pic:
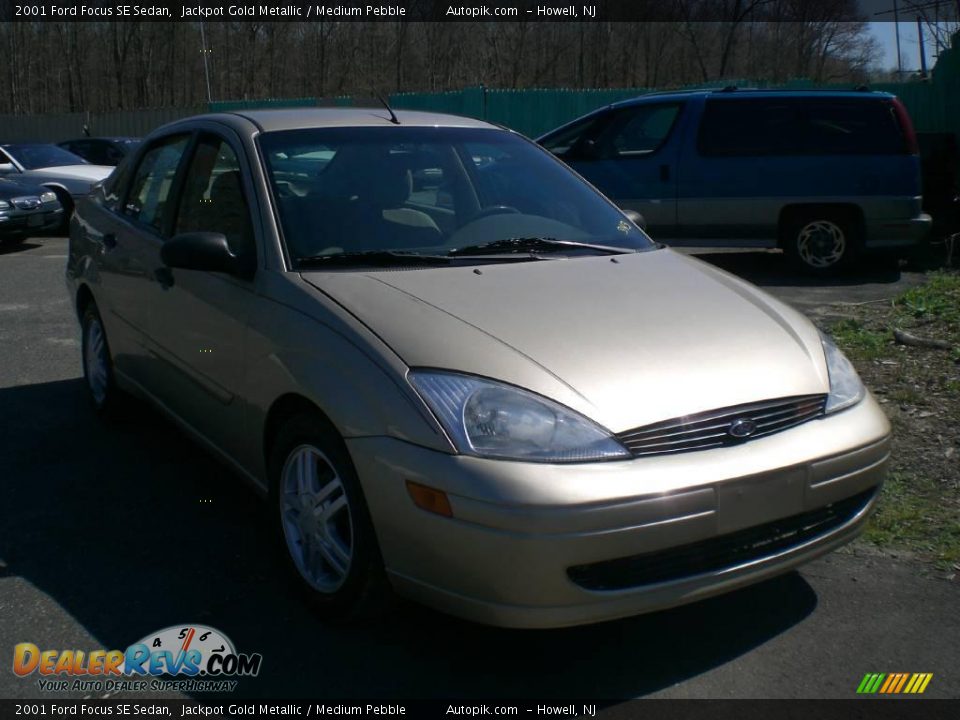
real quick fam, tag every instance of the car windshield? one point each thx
(33, 157)
(433, 191)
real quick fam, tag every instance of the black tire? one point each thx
(66, 202)
(98, 376)
(823, 242)
(361, 591)
(12, 240)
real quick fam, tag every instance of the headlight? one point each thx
(48, 197)
(490, 419)
(4, 205)
(846, 388)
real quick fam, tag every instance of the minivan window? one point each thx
(429, 191)
(799, 126)
(567, 140)
(638, 130)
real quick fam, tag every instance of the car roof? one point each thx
(108, 138)
(304, 118)
(734, 92)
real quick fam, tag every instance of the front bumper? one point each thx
(522, 534)
(18, 223)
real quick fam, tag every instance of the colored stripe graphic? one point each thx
(894, 683)
(903, 680)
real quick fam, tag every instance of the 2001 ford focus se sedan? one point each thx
(461, 374)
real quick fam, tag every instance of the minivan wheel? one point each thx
(322, 522)
(821, 244)
(97, 363)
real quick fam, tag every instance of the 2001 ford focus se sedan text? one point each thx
(461, 374)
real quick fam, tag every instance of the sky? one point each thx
(909, 45)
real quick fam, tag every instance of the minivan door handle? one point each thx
(109, 241)
(664, 173)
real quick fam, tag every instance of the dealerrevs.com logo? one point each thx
(204, 656)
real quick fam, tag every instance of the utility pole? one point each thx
(206, 63)
(923, 52)
(896, 29)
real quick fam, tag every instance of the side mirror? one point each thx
(636, 218)
(7, 168)
(207, 251)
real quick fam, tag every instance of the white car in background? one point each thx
(68, 175)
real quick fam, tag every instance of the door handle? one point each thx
(164, 276)
(109, 241)
(664, 173)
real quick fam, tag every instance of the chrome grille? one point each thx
(712, 428)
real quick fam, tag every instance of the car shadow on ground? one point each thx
(129, 527)
(8, 248)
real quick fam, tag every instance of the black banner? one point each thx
(435, 11)
(867, 709)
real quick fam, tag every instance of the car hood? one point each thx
(92, 173)
(10, 189)
(626, 340)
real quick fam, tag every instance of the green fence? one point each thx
(933, 104)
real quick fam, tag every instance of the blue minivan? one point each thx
(824, 175)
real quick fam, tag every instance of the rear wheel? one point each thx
(322, 523)
(821, 243)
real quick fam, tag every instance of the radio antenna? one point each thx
(393, 115)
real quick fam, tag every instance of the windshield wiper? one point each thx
(375, 258)
(534, 244)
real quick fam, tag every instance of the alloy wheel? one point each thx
(316, 518)
(96, 361)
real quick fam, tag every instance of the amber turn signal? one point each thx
(429, 499)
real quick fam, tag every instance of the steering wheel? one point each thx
(495, 210)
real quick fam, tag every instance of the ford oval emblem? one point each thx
(742, 428)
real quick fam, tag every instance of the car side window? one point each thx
(564, 144)
(114, 185)
(751, 127)
(637, 131)
(147, 201)
(212, 198)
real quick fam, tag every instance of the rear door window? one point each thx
(751, 127)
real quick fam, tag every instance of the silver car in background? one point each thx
(461, 374)
(68, 176)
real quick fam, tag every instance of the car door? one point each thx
(732, 190)
(199, 321)
(128, 234)
(630, 154)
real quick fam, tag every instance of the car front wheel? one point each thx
(323, 524)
